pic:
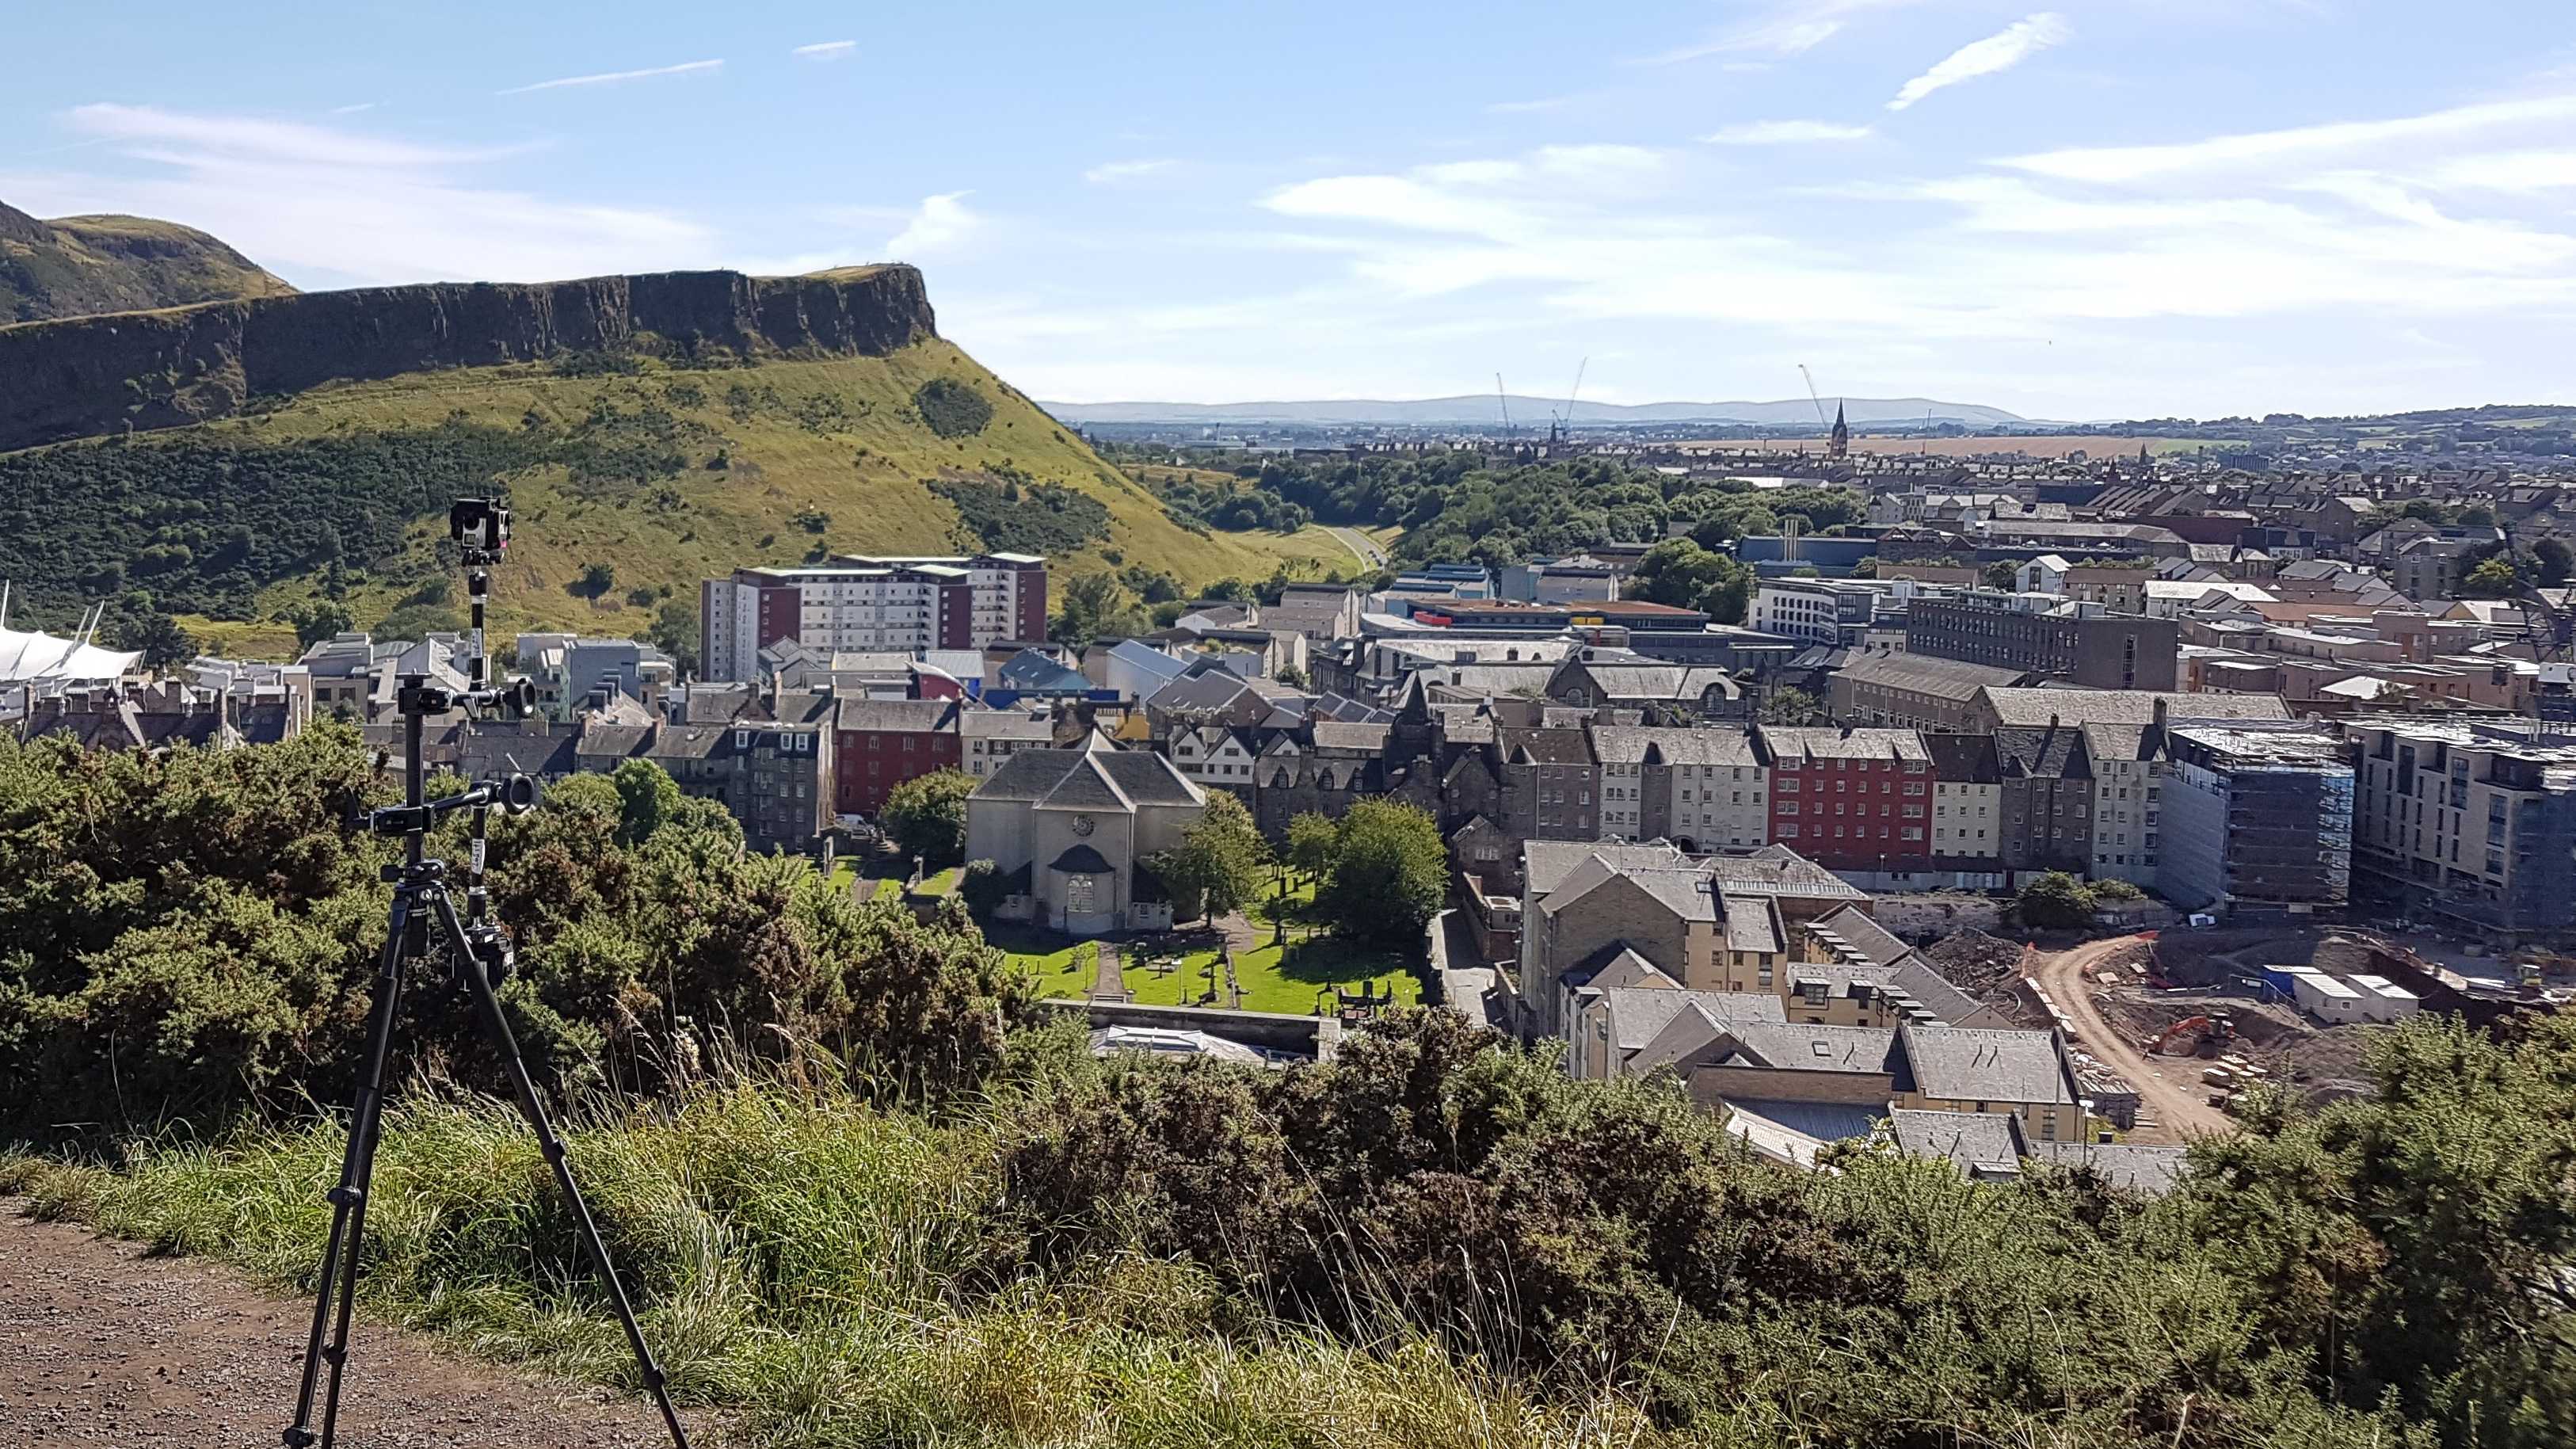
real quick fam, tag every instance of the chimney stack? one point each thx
(2160, 711)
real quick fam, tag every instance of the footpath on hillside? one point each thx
(102, 1345)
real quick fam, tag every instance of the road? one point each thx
(2169, 1088)
(1368, 553)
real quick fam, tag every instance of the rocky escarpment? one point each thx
(88, 376)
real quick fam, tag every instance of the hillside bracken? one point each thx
(869, 1193)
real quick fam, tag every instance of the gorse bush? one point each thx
(193, 935)
(950, 408)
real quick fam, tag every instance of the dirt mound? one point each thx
(1975, 962)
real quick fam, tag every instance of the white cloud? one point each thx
(2262, 149)
(939, 224)
(353, 110)
(826, 49)
(612, 77)
(345, 208)
(252, 136)
(2001, 51)
(1785, 133)
(1543, 103)
(1790, 27)
(1110, 172)
(2511, 171)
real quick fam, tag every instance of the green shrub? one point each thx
(950, 408)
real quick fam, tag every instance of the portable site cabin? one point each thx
(2327, 999)
(2383, 999)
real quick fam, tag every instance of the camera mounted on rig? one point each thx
(481, 527)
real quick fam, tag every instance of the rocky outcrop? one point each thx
(88, 376)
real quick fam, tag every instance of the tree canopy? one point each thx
(1389, 872)
(926, 815)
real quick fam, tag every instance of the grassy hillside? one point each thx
(76, 265)
(663, 475)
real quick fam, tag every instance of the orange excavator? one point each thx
(2201, 1036)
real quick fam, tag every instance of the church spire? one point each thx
(1840, 443)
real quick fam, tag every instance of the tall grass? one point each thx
(811, 1267)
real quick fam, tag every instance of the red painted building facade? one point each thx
(880, 743)
(1857, 800)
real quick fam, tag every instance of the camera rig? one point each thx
(479, 951)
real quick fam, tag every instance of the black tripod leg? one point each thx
(339, 1276)
(476, 981)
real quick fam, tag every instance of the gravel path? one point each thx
(101, 1345)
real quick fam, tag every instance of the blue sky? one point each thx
(2091, 208)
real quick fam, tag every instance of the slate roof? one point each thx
(1090, 780)
(1003, 724)
(1983, 1144)
(1628, 969)
(1962, 759)
(1778, 870)
(2124, 706)
(1950, 679)
(1641, 744)
(1547, 747)
(1681, 890)
(1640, 1014)
(1790, 1047)
(2153, 1170)
(896, 716)
(1962, 1064)
(1657, 682)
(1545, 864)
(1335, 735)
(1866, 938)
(2044, 753)
(1821, 743)
(1752, 923)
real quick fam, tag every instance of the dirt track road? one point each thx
(100, 1345)
(2168, 1087)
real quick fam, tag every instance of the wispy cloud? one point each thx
(612, 77)
(254, 137)
(826, 49)
(2265, 148)
(1785, 133)
(939, 224)
(340, 207)
(353, 110)
(1112, 172)
(1791, 27)
(2001, 51)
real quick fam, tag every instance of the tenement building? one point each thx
(2046, 635)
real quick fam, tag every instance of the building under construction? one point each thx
(2468, 821)
(2257, 821)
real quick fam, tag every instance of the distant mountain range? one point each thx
(1478, 409)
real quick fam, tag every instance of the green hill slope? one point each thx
(76, 265)
(661, 472)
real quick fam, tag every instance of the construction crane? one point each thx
(1564, 424)
(1504, 402)
(1813, 396)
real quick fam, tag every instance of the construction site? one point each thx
(2165, 1028)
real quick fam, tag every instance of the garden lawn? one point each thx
(1292, 983)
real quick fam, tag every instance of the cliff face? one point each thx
(87, 376)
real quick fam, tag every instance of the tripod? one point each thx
(424, 905)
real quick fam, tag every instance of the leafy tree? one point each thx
(1678, 571)
(2477, 514)
(1788, 705)
(419, 621)
(1291, 676)
(675, 631)
(1312, 839)
(2494, 579)
(596, 580)
(1388, 875)
(2001, 574)
(158, 638)
(647, 799)
(2055, 901)
(2556, 563)
(317, 622)
(1095, 606)
(926, 815)
(2117, 890)
(1218, 863)
(981, 887)
(1730, 599)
